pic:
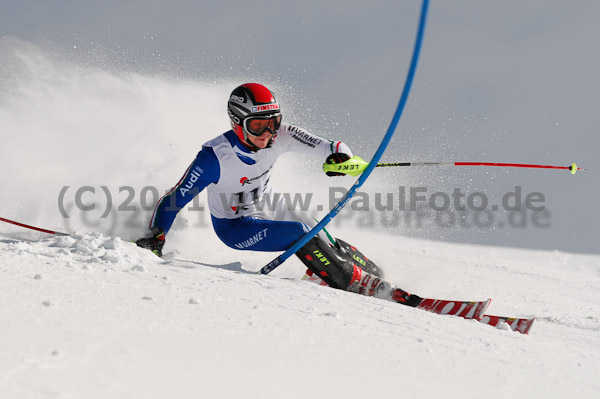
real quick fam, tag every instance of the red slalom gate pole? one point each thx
(33, 227)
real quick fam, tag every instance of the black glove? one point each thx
(336, 157)
(154, 242)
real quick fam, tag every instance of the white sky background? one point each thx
(503, 81)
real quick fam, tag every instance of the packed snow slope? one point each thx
(92, 316)
(96, 317)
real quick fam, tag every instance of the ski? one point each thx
(465, 309)
(522, 325)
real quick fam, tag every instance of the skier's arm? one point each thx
(202, 172)
(301, 141)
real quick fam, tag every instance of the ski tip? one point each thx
(521, 325)
(482, 309)
(527, 327)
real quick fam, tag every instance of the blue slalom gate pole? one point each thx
(384, 143)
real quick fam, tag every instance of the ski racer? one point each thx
(235, 169)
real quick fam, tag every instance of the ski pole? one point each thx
(33, 227)
(356, 165)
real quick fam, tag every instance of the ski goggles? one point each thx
(257, 125)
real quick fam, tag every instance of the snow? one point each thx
(90, 315)
(96, 317)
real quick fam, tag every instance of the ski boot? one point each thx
(338, 268)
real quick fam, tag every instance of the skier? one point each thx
(235, 168)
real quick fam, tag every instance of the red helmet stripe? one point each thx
(261, 93)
